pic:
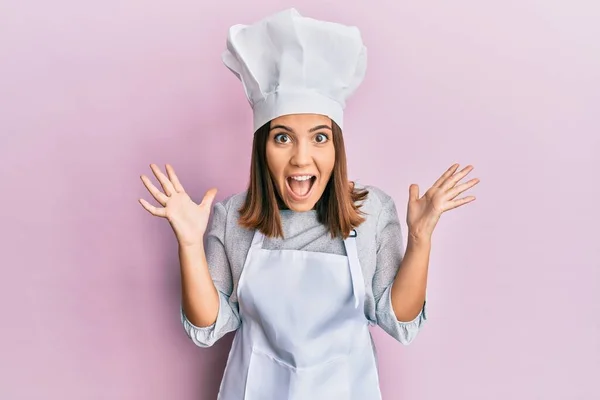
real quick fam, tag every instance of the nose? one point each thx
(302, 156)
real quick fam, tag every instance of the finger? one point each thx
(451, 181)
(157, 194)
(445, 175)
(455, 191)
(459, 202)
(164, 181)
(413, 192)
(174, 179)
(159, 212)
(209, 198)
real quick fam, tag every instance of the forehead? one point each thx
(302, 122)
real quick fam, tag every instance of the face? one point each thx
(300, 157)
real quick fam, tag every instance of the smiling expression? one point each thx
(300, 156)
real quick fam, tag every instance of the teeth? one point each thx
(301, 178)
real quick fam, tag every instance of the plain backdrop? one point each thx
(92, 92)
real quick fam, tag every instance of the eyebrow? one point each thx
(287, 128)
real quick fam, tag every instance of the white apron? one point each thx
(303, 332)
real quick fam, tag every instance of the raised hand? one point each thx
(424, 212)
(188, 219)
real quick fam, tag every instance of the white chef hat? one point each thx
(290, 64)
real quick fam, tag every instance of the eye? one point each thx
(321, 138)
(282, 138)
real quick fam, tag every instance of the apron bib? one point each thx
(304, 335)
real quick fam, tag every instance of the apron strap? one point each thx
(257, 240)
(358, 288)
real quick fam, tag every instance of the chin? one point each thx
(302, 207)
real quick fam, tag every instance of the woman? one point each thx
(301, 263)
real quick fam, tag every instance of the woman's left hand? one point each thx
(424, 212)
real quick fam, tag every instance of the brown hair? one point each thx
(337, 208)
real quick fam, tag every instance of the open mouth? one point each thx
(300, 186)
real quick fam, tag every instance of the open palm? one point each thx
(188, 219)
(424, 212)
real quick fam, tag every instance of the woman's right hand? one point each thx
(188, 219)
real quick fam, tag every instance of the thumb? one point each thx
(413, 191)
(209, 197)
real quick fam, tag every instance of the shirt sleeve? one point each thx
(390, 251)
(218, 264)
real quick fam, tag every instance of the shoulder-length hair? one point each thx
(338, 207)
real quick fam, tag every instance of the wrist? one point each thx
(191, 246)
(419, 241)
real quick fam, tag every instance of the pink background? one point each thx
(92, 92)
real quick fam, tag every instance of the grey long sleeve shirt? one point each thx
(380, 249)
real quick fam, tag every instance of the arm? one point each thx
(207, 312)
(205, 276)
(410, 284)
(401, 320)
(200, 299)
